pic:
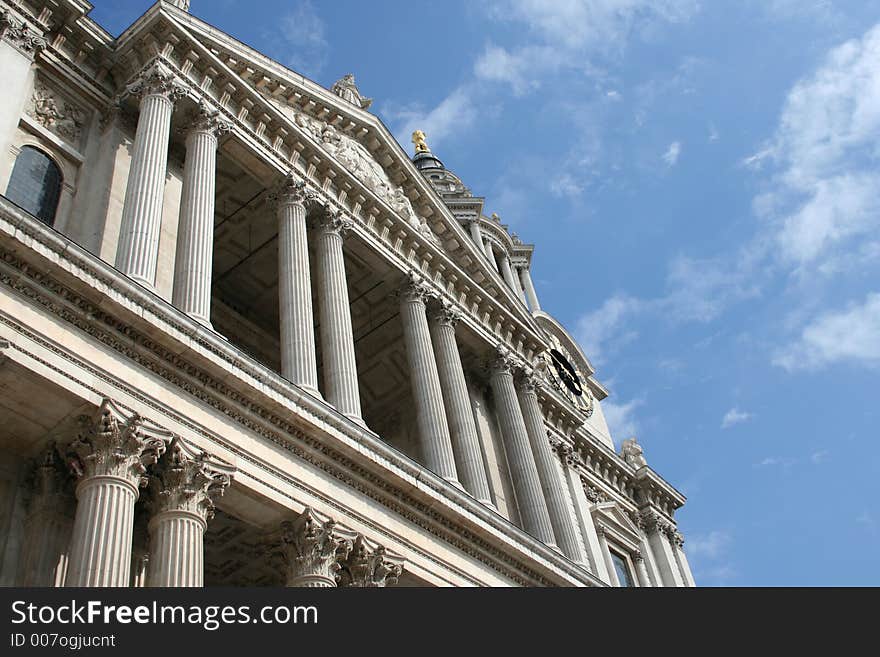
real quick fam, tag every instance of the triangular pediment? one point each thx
(616, 521)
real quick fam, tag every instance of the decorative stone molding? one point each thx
(188, 480)
(115, 446)
(292, 190)
(366, 568)
(346, 89)
(157, 79)
(502, 361)
(207, 118)
(332, 221)
(19, 34)
(414, 288)
(654, 522)
(593, 494)
(55, 113)
(312, 550)
(637, 556)
(677, 539)
(631, 452)
(442, 313)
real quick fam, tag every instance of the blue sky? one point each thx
(702, 183)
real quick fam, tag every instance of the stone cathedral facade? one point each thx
(246, 339)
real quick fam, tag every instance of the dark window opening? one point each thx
(35, 184)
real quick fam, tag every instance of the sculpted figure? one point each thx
(346, 89)
(632, 453)
(418, 138)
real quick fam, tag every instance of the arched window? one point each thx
(35, 184)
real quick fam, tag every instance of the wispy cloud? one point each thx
(709, 556)
(621, 418)
(711, 545)
(303, 43)
(672, 153)
(601, 328)
(851, 335)
(734, 416)
(456, 112)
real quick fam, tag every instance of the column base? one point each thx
(150, 285)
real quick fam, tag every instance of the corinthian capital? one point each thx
(311, 548)
(502, 361)
(292, 190)
(187, 480)
(332, 221)
(157, 80)
(414, 289)
(366, 568)
(207, 119)
(115, 446)
(443, 314)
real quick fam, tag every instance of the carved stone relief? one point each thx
(55, 113)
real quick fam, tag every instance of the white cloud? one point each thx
(819, 456)
(851, 335)
(711, 546)
(734, 416)
(672, 153)
(701, 289)
(783, 461)
(826, 146)
(303, 37)
(566, 185)
(621, 418)
(454, 113)
(596, 330)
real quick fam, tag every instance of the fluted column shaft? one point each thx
(177, 549)
(436, 444)
(487, 247)
(606, 555)
(529, 286)
(337, 340)
(517, 284)
(644, 580)
(195, 232)
(298, 362)
(137, 254)
(100, 550)
(462, 426)
(548, 472)
(507, 273)
(523, 471)
(184, 486)
(476, 236)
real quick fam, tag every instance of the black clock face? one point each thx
(566, 373)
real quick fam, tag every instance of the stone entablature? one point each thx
(259, 399)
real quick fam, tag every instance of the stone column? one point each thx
(507, 273)
(684, 567)
(530, 289)
(366, 568)
(606, 555)
(337, 341)
(298, 363)
(476, 236)
(184, 487)
(138, 248)
(487, 247)
(517, 284)
(639, 559)
(47, 528)
(110, 457)
(523, 471)
(436, 444)
(556, 491)
(560, 515)
(658, 530)
(462, 426)
(195, 232)
(140, 548)
(312, 551)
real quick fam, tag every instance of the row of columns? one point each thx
(137, 252)
(109, 460)
(517, 277)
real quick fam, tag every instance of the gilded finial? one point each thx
(418, 138)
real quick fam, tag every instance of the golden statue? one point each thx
(418, 138)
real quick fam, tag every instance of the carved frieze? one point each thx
(56, 113)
